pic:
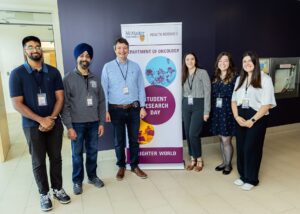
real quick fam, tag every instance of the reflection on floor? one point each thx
(165, 191)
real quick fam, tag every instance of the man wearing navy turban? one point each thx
(83, 115)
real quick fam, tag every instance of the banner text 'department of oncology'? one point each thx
(157, 48)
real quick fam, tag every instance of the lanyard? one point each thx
(124, 76)
(247, 85)
(39, 80)
(86, 79)
(191, 84)
(219, 85)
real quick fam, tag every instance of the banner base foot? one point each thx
(160, 166)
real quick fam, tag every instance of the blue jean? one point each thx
(87, 136)
(120, 119)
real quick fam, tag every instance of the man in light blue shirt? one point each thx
(123, 85)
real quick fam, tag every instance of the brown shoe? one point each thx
(191, 165)
(139, 172)
(121, 173)
(199, 166)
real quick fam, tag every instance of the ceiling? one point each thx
(30, 2)
(15, 16)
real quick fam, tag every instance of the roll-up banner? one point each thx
(157, 48)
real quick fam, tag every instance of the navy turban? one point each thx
(79, 49)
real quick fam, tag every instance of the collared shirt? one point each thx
(257, 96)
(116, 76)
(77, 90)
(27, 83)
(201, 87)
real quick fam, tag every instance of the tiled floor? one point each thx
(165, 191)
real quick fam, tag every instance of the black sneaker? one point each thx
(96, 182)
(77, 188)
(46, 203)
(61, 196)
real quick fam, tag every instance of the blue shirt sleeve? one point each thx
(58, 82)
(15, 85)
(104, 83)
(141, 88)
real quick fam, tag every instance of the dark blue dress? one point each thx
(222, 120)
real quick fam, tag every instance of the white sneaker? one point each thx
(247, 186)
(238, 182)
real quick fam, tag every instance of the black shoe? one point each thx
(220, 167)
(61, 196)
(46, 203)
(96, 182)
(227, 170)
(77, 188)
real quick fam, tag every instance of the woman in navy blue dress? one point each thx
(222, 120)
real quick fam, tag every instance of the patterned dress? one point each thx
(222, 120)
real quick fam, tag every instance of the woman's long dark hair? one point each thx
(256, 77)
(185, 70)
(230, 74)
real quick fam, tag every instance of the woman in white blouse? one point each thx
(252, 98)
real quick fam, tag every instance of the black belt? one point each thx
(126, 106)
(135, 104)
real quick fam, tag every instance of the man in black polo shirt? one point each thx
(36, 91)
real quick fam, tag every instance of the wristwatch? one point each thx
(253, 120)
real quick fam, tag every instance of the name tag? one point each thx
(245, 103)
(219, 102)
(190, 100)
(89, 101)
(42, 99)
(125, 90)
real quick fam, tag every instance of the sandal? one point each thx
(199, 165)
(191, 165)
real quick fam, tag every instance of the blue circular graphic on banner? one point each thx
(160, 71)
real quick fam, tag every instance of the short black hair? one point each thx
(30, 38)
(121, 40)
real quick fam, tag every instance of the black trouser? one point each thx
(193, 123)
(122, 119)
(249, 146)
(40, 144)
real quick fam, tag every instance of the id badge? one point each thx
(89, 101)
(125, 90)
(42, 99)
(219, 102)
(245, 103)
(190, 100)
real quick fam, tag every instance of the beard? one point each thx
(35, 57)
(84, 64)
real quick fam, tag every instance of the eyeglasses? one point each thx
(37, 48)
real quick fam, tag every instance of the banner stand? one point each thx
(157, 48)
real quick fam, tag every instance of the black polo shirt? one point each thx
(25, 82)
